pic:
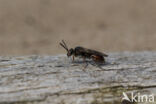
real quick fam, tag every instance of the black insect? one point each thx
(84, 53)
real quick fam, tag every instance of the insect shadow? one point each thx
(89, 62)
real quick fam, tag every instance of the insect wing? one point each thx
(90, 51)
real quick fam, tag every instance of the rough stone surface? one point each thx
(58, 80)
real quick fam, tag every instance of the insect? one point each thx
(84, 53)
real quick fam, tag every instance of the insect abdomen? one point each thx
(97, 58)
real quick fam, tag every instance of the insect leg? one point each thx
(98, 61)
(84, 59)
(73, 58)
(85, 66)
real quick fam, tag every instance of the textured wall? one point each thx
(36, 26)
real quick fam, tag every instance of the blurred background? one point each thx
(37, 26)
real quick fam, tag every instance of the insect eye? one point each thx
(71, 52)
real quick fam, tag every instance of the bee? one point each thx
(85, 53)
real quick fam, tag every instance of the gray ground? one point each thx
(56, 80)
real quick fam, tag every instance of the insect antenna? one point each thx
(64, 45)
